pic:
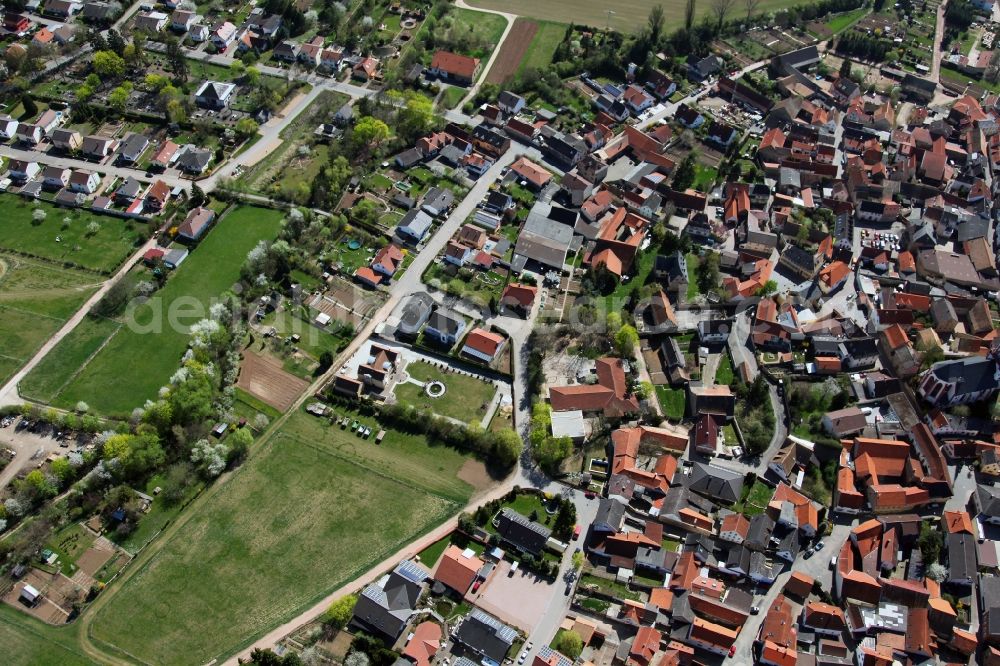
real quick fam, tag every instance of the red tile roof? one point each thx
(425, 643)
(607, 395)
(484, 341)
(455, 64)
(457, 568)
(531, 172)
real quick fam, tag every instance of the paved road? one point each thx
(818, 566)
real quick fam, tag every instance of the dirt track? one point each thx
(512, 52)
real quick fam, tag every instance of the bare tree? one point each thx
(689, 15)
(721, 8)
(751, 6)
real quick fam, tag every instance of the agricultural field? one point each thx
(315, 488)
(628, 14)
(36, 299)
(66, 236)
(530, 44)
(211, 269)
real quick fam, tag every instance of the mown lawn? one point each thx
(29, 642)
(724, 373)
(56, 240)
(672, 402)
(36, 299)
(692, 263)
(300, 519)
(463, 399)
(112, 383)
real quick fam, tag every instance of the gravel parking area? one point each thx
(519, 600)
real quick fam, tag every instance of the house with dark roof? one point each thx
(132, 148)
(521, 532)
(194, 160)
(384, 608)
(699, 69)
(716, 483)
(445, 327)
(214, 94)
(486, 636)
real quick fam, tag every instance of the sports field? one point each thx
(66, 236)
(109, 382)
(36, 299)
(627, 14)
(313, 509)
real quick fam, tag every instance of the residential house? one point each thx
(195, 225)
(22, 170)
(67, 140)
(366, 69)
(517, 299)
(384, 608)
(844, 422)
(98, 147)
(223, 35)
(194, 160)
(717, 483)
(609, 395)
(483, 345)
(454, 67)
(414, 225)
(445, 327)
(522, 533)
(181, 20)
(150, 21)
(157, 195)
(485, 636)
(85, 182)
(214, 94)
(457, 569)
(132, 148)
(8, 127)
(165, 155)
(29, 133)
(55, 178)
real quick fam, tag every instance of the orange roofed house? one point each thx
(618, 242)
(454, 67)
(483, 345)
(609, 395)
(458, 569)
(424, 644)
(888, 477)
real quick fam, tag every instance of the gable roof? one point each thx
(455, 64)
(458, 568)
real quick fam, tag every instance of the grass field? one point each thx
(463, 399)
(547, 38)
(29, 642)
(325, 507)
(101, 251)
(109, 382)
(672, 402)
(629, 14)
(724, 373)
(489, 27)
(36, 298)
(47, 378)
(840, 23)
